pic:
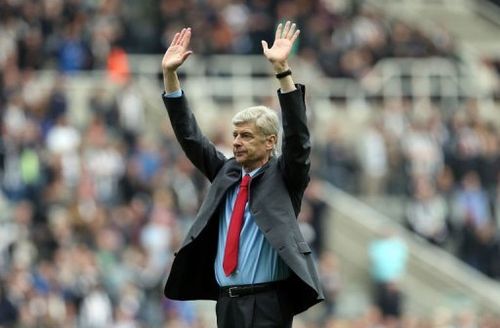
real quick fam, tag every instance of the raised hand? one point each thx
(178, 51)
(283, 42)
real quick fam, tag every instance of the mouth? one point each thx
(238, 153)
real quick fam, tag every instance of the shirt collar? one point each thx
(251, 173)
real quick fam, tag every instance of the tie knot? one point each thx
(246, 179)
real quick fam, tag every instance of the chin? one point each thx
(241, 162)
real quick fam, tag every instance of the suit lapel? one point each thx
(218, 191)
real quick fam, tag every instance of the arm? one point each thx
(296, 145)
(200, 151)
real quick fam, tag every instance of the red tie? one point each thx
(233, 233)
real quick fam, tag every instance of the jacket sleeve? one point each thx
(296, 145)
(200, 151)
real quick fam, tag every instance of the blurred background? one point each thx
(403, 209)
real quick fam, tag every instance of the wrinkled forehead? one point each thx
(246, 127)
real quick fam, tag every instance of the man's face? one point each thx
(250, 147)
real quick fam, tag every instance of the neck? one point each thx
(252, 166)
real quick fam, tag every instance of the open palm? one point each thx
(283, 42)
(178, 51)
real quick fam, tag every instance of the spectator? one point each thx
(373, 160)
(63, 141)
(471, 203)
(96, 309)
(422, 152)
(74, 53)
(131, 113)
(317, 214)
(388, 256)
(427, 213)
(474, 219)
(117, 66)
(338, 160)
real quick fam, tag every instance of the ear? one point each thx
(271, 141)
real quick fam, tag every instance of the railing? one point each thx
(220, 84)
(242, 79)
(434, 279)
(489, 10)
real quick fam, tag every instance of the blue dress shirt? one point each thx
(258, 262)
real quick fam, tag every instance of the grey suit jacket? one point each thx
(275, 198)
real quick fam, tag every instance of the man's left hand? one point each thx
(283, 42)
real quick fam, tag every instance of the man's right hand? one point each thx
(177, 52)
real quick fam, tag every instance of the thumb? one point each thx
(186, 55)
(265, 47)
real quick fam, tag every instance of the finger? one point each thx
(291, 31)
(174, 40)
(187, 38)
(285, 29)
(295, 36)
(178, 37)
(181, 36)
(278, 31)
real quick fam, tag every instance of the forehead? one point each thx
(245, 127)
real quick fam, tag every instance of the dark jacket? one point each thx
(275, 198)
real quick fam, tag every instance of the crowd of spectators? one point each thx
(343, 37)
(91, 215)
(447, 169)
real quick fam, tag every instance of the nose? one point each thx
(237, 141)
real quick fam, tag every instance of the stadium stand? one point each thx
(96, 195)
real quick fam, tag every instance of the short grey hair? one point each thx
(266, 120)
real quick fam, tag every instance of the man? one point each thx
(245, 249)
